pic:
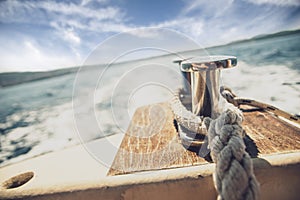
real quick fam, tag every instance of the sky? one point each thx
(47, 35)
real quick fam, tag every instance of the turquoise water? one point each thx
(281, 50)
(37, 117)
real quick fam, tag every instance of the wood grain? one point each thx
(152, 143)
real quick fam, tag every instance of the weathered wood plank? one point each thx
(151, 141)
(271, 134)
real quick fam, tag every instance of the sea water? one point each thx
(38, 117)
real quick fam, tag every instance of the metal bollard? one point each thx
(202, 76)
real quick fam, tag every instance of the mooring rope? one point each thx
(234, 178)
(185, 117)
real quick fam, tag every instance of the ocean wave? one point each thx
(45, 130)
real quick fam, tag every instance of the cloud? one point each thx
(146, 33)
(67, 25)
(29, 56)
(108, 27)
(223, 21)
(66, 33)
(87, 2)
(68, 14)
(110, 12)
(191, 26)
(71, 36)
(276, 2)
(211, 9)
(32, 49)
(101, 20)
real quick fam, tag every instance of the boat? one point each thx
(152, 160)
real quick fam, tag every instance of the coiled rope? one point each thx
(185, 117)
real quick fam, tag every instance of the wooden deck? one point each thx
(152, 143)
